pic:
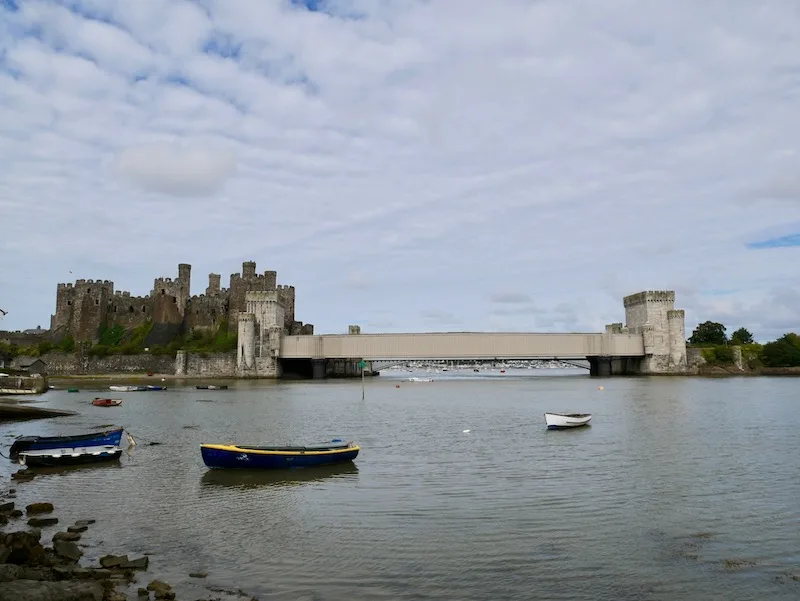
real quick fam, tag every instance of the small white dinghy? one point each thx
(562, 421)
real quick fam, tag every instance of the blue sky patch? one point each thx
(792, 240)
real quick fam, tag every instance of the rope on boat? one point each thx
(132, 439)
(4, 455)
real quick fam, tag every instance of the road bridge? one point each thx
(651, 341)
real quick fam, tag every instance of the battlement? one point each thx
(649, 296)
(261, 295)
(163, 280)
(66, 286)
(122, 294)
(284, 287)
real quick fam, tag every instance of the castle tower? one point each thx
(652, 314)
(213, 284)
(246, 356)
(677, 337)
(271, 280)
(248, 270)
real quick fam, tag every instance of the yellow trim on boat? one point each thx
(235, 449)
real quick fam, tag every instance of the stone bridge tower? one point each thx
(653, 315)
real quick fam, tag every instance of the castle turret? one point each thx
(246, 356)
(248, 270)
(213, 284)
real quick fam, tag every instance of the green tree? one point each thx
(783, 352)
(709, 332)
(742, 336)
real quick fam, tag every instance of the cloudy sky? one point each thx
(408, 165)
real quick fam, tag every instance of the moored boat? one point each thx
(40, 443)
(211, 387)
(70, 456)
(152, 387)
(562, 421)
(72, 390)
(98, 402)
(126, 388)
(277, 457)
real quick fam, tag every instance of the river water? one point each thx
(682, 488)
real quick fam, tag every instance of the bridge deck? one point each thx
(461, 345)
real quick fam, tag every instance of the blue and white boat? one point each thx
(41, 443)
(277, 457)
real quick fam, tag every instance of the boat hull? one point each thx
(70, 456)
(233, 457)
(41, 443)
(566, 421)
(106, 402)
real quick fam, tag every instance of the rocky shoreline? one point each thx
(32, 569)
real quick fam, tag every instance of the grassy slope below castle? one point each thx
(116, 340)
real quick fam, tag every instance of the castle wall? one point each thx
(70, 364)
(130, 311)
(205, 311)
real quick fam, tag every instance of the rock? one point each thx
(159, 585)
(77, 528)
(67, 550)
(34, 508)
(166, 595)
(85, 522)
(100, 573)
(67, 536)
(143, 593)
(29, 590)
(9, 572)
(136, 564)
(22, 476)
(22, 548)
(113, 561)
(198, 574)
(3, 519)
(72, 572)
(12, 491)
(15, 513)
(42, 522)
(27, 573)
(116, 596)
(6, 507)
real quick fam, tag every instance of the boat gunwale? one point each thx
(255, 451)
(573, 415)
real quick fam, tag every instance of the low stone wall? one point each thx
(64, 364)
(220, 365)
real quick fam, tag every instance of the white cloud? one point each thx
(176, 170)
(574, 152)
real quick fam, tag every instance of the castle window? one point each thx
(88, 291)
(130, 310)
(163, 291)
(97, 301)
(115, 308)
(144, 309)
(69, 303)
(174, 300)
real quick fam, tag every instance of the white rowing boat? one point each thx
(561, 421)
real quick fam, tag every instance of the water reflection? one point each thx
(63, 470)
(257, 478)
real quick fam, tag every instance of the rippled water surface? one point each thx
(680, 489)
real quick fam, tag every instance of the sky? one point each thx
(408, 165)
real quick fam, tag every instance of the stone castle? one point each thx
(82, 307)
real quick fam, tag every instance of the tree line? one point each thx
(716, 345)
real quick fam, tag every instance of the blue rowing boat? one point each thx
(41, 443)
(275, 457)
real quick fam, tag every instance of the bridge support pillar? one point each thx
(318, 369)
(601, 367)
